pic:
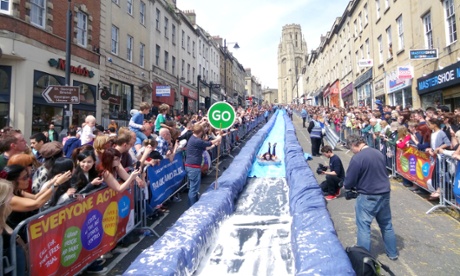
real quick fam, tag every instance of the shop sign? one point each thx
(188, 93)
(379, 87)
(439, 79)
(363, 78)
(395, 83)
(163, 91)
(405, 72)
(423, 54)
(347, 90)
(365, 63)
(326, 92)
(106, 95)
(77, 70)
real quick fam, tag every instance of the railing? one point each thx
(68, 238)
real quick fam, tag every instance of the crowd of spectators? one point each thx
(434, 130)
(46, 172)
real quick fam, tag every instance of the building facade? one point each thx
(373, 51)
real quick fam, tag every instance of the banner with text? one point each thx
(414, 165)
(165, 179)
(64, 241)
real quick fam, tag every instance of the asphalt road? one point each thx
(427, 244)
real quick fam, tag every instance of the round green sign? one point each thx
(221, 115)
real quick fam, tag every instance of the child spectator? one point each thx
(87, 135)
(137, 120)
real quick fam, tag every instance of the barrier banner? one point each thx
(414, 165)
(165, 179)
(64, 241)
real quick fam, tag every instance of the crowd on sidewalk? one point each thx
(47, 172)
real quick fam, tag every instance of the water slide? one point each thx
(262, 220)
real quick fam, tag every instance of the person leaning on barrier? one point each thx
(334, 176)
(368, 176)
(85, 178)
(193, 159)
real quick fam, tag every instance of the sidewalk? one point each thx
(427, 244)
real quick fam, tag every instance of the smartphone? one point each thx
(138, 165)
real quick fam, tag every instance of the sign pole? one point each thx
(217, 164)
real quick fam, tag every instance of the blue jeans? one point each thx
(367, 208)
(140, 134)
(194, 178)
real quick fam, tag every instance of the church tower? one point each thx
(292, 53)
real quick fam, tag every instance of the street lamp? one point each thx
(235, 46)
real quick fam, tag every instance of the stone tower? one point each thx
(292, 52)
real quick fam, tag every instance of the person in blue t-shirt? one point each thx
(136, 124)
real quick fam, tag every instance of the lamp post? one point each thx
(235, 46)
(67, 110)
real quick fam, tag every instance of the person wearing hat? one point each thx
(50, 151)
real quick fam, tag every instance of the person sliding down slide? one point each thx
(269, 158)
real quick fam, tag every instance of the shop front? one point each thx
(400, 86)
(334, 94)
(44, 113)
(189, 99)
(326, 98)
(162, 94)
(5, 92)
(363, 86)
(347, 95)
(379, 88)
(441, 86)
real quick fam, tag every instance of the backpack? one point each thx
(363, 263)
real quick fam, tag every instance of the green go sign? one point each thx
(221, 115)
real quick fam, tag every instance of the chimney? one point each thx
(191, 16)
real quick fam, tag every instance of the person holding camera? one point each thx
(334, 177)
(367, 175)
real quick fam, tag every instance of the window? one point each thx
(193, 48)
(366, 15)
(166, 26)
(82, 29)
(361, 52)
(399, 23)
(360, 22)
(166, 60)
(121, 108)
(387, 4)
(451, 27)
(357, 59)
(379, 41)
(182, 69)
(390, 43)
(130, 6)
(173, 65)
(428, 31)
(5, 6)
(115, 32)
(188, 72)
(368, 50)
(157, 55)
(355, 23)
(37, 12)
(173, 34)
(142, 55)
(158, 19)
(199, 47)
(142, 13)
(188, 44)
(116, 2)
(377, 9)
(183, 39)
(193, 75)
(129, 48)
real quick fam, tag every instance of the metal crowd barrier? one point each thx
(10, 263)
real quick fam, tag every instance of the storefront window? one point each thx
(430, 98)
(44, 115)
(121, 104)
(43, 80)
(5, 88)
(364, 94)
(402, 97)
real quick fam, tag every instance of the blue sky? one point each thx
(257, 24)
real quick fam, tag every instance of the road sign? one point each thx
(62, 94)
(221, 115)
(423, 54)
